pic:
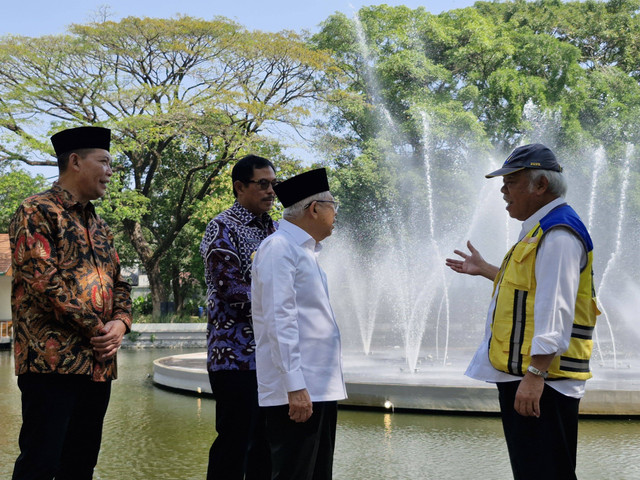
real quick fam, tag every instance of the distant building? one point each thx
(5, 291)
(138, 279)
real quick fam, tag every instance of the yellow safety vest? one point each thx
(513, 320)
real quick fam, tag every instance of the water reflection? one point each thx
(155, 434)
(387, 426)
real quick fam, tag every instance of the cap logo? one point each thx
(535, 164)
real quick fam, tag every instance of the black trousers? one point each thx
(302, 451)
(62, 418)
(545, 447)
(240, 451)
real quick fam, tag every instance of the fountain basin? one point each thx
(381, 382)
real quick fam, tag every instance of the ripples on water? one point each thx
(152, 434)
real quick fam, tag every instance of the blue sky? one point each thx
(42, 17)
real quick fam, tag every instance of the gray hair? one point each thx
(557, 182)
(296, 210)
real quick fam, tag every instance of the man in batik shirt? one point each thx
(240, 449)
(71, 309)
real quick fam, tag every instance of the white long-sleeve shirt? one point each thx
(297, 337)
(559, 260)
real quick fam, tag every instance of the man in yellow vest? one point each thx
(538, 338)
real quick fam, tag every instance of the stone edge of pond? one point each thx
(166, 335)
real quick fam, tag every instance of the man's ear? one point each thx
(239, 186)
(543, 184)
(74, 161)
(313, 209)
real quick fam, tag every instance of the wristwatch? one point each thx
(537, 372)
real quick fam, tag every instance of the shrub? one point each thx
(142, 305)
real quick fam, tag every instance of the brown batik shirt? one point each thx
(66, 286)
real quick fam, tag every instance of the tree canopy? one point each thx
(392, 91)
(184, 97)
(462, 81)
(15, 185)
(476, 68)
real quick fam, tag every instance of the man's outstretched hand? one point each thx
(472, 264)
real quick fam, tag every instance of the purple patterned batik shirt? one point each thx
(227, 249)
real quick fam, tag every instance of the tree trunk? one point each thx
(151, 265)
(158, 293)
(178, 298)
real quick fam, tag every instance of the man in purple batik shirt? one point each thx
(240, 450)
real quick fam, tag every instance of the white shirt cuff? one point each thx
(294, 381)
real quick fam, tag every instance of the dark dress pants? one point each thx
(62, 418)
(240, 451)
(302, 451)
(545, 447)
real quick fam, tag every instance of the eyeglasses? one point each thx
(263, 183)
(336, 205)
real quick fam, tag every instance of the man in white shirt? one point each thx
(298, 351)
(541, 318)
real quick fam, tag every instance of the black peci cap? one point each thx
(81, 137)
(534, 155)
(302, 186)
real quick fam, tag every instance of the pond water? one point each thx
(152, 434)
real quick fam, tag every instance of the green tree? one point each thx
(15, 185)
(475, 69)
(413, 84)
(184, 98)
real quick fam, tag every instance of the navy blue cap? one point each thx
(81, 137)
(534, 155)
(302, 186)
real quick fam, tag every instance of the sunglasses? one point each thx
(263, 183)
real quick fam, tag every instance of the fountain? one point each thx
(404, 366)
(410, 326)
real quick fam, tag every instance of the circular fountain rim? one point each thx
(607, 395)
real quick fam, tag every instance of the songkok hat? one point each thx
(534, 155)
(302, 186)
(81, 137)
